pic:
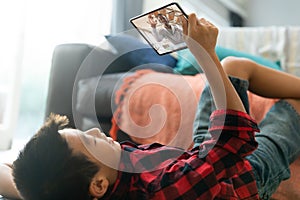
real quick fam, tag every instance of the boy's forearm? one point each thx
(201, 38)
(7, 186)
(224, 94)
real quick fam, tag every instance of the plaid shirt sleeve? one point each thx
(235, 131)
(233, 138)
(192, 177)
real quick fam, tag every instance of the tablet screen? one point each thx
(162, 28)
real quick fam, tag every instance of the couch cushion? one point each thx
(95, 95)
(187, 64)
(133, 53)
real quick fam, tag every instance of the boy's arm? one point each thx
(201, 38)
(7, 186)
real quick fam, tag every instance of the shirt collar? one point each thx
(120, 188)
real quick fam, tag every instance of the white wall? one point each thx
(212, 10)
(258, 12)
(273, 12)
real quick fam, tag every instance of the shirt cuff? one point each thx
(232, 120)
(234, 131)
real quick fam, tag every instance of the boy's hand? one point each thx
(199, 32)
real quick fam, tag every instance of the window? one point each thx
(11, 20)
(32, 29)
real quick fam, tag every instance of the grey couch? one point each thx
(73, 64)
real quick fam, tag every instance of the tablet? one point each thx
(162, 28)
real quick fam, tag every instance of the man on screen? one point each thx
(171, 32)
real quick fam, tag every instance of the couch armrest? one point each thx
(66, 61)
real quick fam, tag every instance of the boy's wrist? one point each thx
(215, 57)
(207, 57)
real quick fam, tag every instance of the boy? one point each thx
(62, 163)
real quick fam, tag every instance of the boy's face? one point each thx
(95, 145)
(162, 20)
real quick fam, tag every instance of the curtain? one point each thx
(30, 30)
(123, 11)
(11, 50)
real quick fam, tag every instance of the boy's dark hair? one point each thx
(46, 168)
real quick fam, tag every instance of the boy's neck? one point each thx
(113, 176)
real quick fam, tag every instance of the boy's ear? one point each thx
(99, 186)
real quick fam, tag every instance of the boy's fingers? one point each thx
(184, 25)
(192, 20)
(205, 22)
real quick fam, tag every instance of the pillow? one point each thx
(95, 95)
(167, 115)
(133, 53)
(187, 64)
(224, 52)
(170, 113)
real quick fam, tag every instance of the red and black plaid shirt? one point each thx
(160, 172)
